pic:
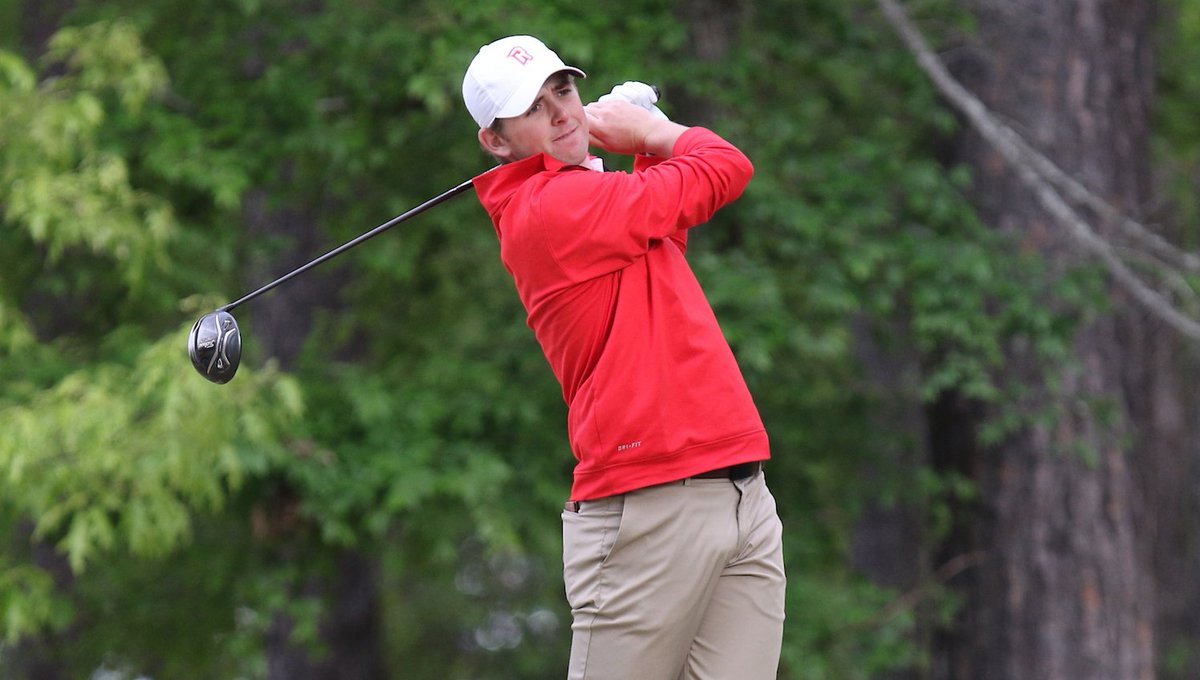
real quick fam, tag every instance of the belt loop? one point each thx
(571, 506)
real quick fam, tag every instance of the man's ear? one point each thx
(493, 143)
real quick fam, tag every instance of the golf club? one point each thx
(215, 343)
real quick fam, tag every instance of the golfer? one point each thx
(672, 553)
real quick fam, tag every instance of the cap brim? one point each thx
(523, 97)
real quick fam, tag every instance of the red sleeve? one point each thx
(640, 163)
(596, 223)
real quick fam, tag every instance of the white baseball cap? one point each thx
(506, 75)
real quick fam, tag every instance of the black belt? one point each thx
(733, 472)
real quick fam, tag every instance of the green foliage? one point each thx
(120, 456)
(28, 601)
(1176, 129)
(117, 452)
(105, 449)
(108, 59)
(60, 184)
(858, 643)
(196, 613)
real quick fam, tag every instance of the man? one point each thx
(672, 553)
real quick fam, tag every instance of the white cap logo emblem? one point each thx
(521, 55)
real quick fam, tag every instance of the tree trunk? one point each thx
(349, 631)
(39, 19)
(1162, 406)
(712, 27)
(1064, 590)
(283, 317)
(350, 628)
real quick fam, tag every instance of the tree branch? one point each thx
(1041, 175)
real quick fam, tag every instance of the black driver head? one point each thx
(215, 346)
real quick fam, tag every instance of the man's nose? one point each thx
(558, 112)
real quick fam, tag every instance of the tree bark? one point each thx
(1162, 406)
(712, 26)
(1065, 589)
(349, 630)
(39, 19)
(350, 627)
(283, 317)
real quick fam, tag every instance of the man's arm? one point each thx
(593, 223)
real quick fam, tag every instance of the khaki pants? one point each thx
(680, 581)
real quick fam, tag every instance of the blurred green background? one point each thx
(376, 493)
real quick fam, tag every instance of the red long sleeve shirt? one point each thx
(653, 391)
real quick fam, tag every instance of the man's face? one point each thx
(555, 124)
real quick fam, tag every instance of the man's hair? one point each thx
(496, 127)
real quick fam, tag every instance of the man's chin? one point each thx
(572, 156)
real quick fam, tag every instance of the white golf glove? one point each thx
(636, 93)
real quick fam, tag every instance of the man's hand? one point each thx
(621, 127)
(641, 94)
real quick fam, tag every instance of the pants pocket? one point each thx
(589, 537)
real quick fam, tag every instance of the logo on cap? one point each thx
(521, 55)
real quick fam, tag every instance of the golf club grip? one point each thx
(352, 243)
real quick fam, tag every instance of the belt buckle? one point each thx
(734, 473)
(745, 470)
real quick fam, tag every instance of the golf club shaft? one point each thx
(350, 244)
